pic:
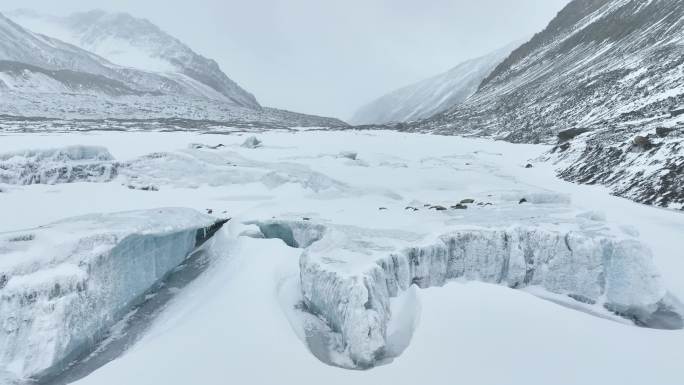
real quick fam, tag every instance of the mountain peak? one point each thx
(137, 43)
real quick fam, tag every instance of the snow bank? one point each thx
(194, 167)
(537, 197)
(60, 165)
(63, 285)
(349, 282)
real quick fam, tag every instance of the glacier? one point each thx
(252, 292)
(62, 286)
(59, 165)
(349, 275)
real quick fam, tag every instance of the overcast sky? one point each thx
(330, 57)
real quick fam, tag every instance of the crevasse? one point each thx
(62, 286)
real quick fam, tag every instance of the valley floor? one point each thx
(238, 322)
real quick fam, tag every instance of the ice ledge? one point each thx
(64, 284)
(59, 165)
(348, 281)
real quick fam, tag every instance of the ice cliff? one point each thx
(348, 280)
(63, 285)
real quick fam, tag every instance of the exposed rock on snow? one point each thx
(61, 165)
(64, 284)
(653, 174)
(199, 146)
(571, 133)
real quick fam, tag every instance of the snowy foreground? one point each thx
(391, 252)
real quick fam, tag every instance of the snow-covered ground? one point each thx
(242, 319)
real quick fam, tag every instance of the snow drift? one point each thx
(195, 167)
(63, 285)
(60, 165)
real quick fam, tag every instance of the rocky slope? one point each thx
(434, 95)
(611, 67)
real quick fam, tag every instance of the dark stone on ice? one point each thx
(202, 235)
(676, 112)
(522, 201)
(642, 143)
(572, 133)
(663, 131)
(468, 201)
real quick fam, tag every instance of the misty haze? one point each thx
(359, 192)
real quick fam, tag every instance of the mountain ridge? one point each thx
(41, 76)
(138, 43)
(433, 95)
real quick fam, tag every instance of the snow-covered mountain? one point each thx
(21, 45)
(133, 42)
(434, 95)
(597, 62)
(611, 67)
(40, 64)
(41, 76)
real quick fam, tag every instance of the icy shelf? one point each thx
(64, 284)
(349, 274)
(60, 165)
(196, 167)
